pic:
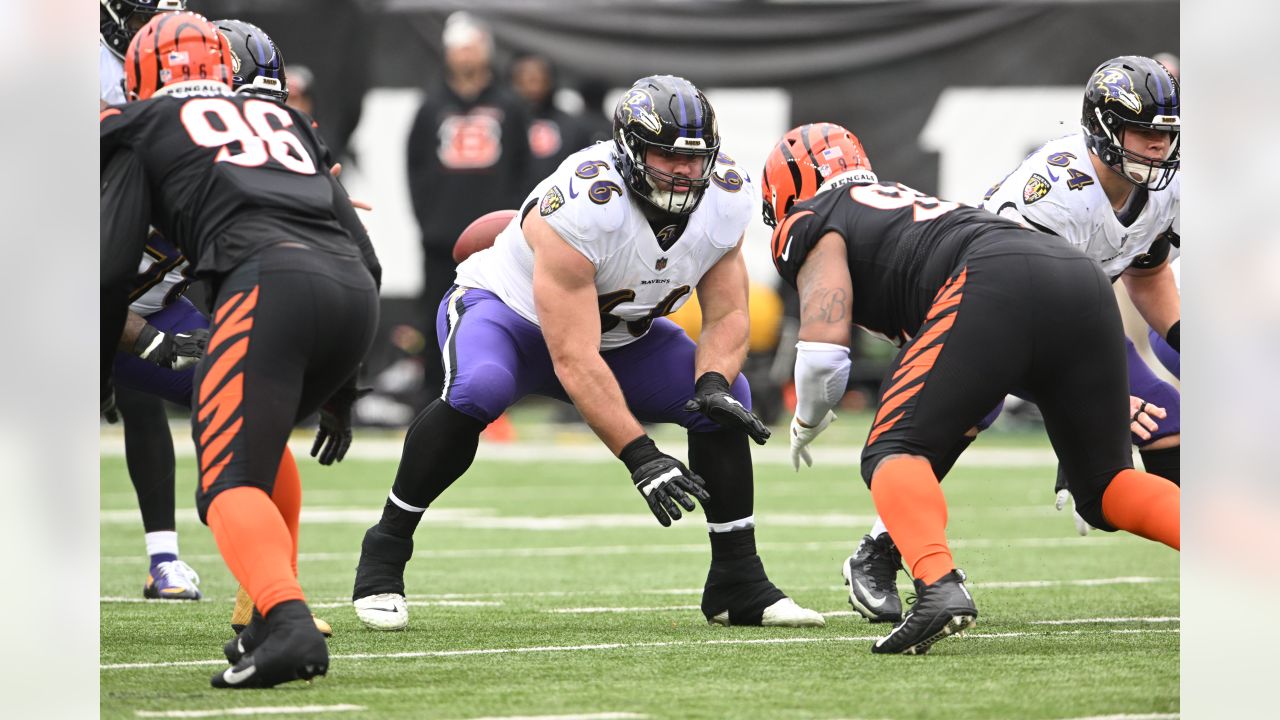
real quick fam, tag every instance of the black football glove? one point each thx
(713, 398)
(175, 351)
(334, 436)
(662, 480)
(107, 404)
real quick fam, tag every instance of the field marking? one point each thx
(1076, 543)
(588, 716)
(419, 603)
(589, 610)
(475, 599)
(264, 710)
(111, 444)
(1088, 621)
(629, 646)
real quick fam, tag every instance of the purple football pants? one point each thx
(173, 385)
(1144, 383)
(493, 357)
(1171, 359)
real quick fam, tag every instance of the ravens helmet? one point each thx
(119, 20)
(805, 158)
(257, 67)
(1132, 92)
(670, 114)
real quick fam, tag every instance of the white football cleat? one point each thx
(786, 613)
(385, 611)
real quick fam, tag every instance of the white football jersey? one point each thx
(587, 202)
(158, 262)
(1055, 190)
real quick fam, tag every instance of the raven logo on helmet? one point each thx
(637, 107)
(1117, 87)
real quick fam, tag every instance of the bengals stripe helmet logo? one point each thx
(806, 157)
(173, 48)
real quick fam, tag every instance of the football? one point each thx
(481, 233)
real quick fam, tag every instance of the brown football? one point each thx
(480, 233)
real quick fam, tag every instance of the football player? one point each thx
(981, 307)
(1112, 190)
(570, 303)
(247, 198)
(162, 329)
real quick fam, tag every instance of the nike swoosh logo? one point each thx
(382, 609)
(1049, 170)
(872, 600)
(572, 194)
(786, 249)
(235, 678)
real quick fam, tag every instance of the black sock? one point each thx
(148, 452)
(440, 446)
(732, 545)
(723, 459)
(1166, 463)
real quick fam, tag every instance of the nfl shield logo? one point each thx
(660, 264)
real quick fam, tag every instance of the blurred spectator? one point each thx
(553, 133)
(301, 87)
(468, 154)
(596, 120)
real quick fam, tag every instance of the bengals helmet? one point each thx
(174, 48)
(119, 20)
(257, 67)
(668, 113)
(1132, 92)
(805, 158)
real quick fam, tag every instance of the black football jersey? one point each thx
(227, 175)
(901, 244)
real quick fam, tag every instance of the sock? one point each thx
(1166, 462)
(732, 545)
(162, 546)
(439, 447)
(1145, 505)
(878, 528)
(286, 493)
(723, 459)
(255, 543)
(911, 503)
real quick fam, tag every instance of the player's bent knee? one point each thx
(872, 464)
(205, 498)
(486, 391)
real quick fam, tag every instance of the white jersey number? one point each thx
(253, 130)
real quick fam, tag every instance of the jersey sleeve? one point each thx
(586, 206)
(738, 201)
(792, 241)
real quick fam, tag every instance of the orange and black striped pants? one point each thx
(290, 326)
(1021, 314)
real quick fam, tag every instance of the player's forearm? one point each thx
(722, 345)
(1155, 296)
(595, 393)
(133, 325)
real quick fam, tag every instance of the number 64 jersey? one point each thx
(225, 176)
(1055, 191)
(587, 203)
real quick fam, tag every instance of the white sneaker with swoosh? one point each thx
(384, 611)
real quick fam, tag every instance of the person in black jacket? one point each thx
(468, 154)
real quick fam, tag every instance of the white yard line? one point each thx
(589, 610)
(239, 711)
(628, 646)
(588, 716)
(1090, 621)
(1126, 716)
(111, 444)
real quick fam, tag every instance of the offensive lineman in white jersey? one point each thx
(569, 303)
(164, 336)
(1111, 190)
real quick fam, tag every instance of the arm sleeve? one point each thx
(822, 374)
(125, 208)
(351, 223)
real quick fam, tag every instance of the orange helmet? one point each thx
(804, 159)
(173, 48)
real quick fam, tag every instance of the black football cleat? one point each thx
(247, 638)
(941, 609)
(871, 573)
(293, 649)
(739, 593)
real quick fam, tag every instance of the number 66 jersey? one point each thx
(586, 201)
(225, 176)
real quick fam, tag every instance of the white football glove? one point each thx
(1064, 495)
(801, 436)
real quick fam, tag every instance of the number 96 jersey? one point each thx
(586, 201)
(228, 174)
